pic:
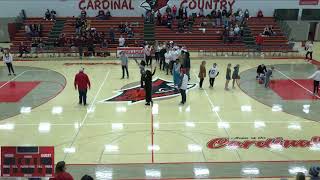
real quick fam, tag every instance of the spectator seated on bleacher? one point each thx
(108, 14)
(237, 30)
(231, 35)
(272, 33)
(34, 45)
(53, 15)
(47, 15)
(164, 19)
(104, 44)
(266, 31)
(27, 30)
(41, 44)
(62, 40)
(22, 49)
(122, 41)
(260, 14)
(130, 33)
(122, 28)
(101, 15)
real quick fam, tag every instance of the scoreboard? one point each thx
(27, 161)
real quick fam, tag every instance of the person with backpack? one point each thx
(213, 73)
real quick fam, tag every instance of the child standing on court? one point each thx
(7, 59)
(213, 73)
(235, 75)
(124, 64)
(202, 73)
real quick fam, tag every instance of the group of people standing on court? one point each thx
(214, 72)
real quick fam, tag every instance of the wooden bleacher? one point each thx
(278, 42)
(137, 24)
(209, 39)
(20, 36)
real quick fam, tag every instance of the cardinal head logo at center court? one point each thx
(161, 89)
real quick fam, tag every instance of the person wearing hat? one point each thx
(82, 84)
(314, 173)
(7, 59)
(60, 172)
(124, 64)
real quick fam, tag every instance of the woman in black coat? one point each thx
(148, 86)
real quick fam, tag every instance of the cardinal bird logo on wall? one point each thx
(154, 4)
(161, 89)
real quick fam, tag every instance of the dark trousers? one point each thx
(167, 67)
(80, 52)
(201, 82)
(211, 80)
(157, 56)
(83, 96)
(171, 66)
(315, 87)
(162, 63)
(10, 68)
(183, 96)
(148, 91)
(309, 53)
(125, 68)
(141, 81)
(148, 60)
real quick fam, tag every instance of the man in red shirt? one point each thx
(259, 41)
(60, 172)
(82, 83)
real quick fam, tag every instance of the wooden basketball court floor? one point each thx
(110, 139)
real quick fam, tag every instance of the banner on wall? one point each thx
(309, 2)
(138, 7)
(131, 52)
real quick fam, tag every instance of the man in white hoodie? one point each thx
(7, 59)
(213, 73)
(316, 79)
(183, 86)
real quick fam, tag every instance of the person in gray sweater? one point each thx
(268, 77)
(124, 64)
